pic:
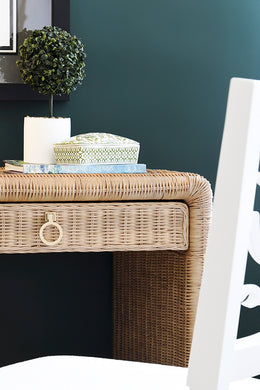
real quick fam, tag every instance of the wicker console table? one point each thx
(155, 223)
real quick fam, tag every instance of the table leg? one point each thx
(154, 299)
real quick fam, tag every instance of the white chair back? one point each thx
(217, 357)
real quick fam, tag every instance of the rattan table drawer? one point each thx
(97, 226)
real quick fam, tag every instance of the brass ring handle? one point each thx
(50, 217)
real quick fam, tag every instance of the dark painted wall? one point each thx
(157, 72)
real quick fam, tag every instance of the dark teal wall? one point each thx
(158, 72)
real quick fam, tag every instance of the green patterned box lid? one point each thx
(98, 139)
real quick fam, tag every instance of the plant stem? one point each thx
(50, 106)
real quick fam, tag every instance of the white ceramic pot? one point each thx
(39, 136)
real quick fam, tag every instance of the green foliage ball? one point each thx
(52, 61)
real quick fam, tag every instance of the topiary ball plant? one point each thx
(52, 62)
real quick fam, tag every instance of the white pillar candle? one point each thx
(39, 136)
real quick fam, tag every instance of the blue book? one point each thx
(23, 167)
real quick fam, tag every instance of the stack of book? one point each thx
(23, 167)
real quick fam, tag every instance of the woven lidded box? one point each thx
(97, 148)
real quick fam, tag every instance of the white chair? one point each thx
(218, 361)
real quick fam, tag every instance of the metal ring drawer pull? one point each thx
(50, 217)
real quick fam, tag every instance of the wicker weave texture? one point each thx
(153, 185)
(94, 226)
(151, 318)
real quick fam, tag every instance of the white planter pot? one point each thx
(39, 136)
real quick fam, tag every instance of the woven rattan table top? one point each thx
(153, 185)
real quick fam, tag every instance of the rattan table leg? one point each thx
(156, 293)
(154, 306)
